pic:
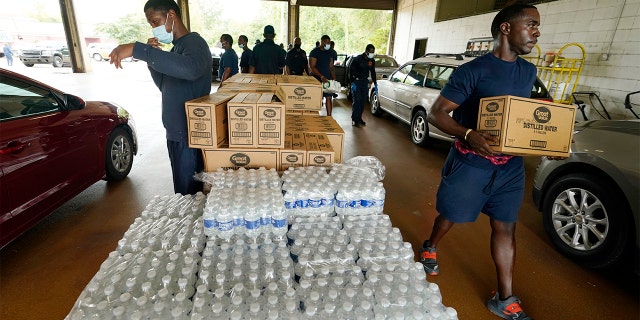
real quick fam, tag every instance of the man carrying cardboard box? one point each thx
(474, 178)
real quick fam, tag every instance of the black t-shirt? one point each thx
(267, 57)
(297, 61)
(244, 59)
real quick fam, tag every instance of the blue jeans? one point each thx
(359, 97)
(185, 162)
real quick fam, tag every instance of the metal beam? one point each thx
(75, 42)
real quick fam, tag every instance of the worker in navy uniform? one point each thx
(361, 68)
(267, 57)
(321, 66)
(246, 53)
(296, 62)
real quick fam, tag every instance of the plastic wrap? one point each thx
(368, 162)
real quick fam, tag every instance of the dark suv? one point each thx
(51, 53)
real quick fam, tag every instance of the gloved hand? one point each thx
(353, 87)
(375, 87)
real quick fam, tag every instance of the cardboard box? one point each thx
(242, 120)
(270, 119)
(235, 158)
(290, 157)
(207, 122)
(248, 79)
(318, 124)
(319, 150)
(302, 92)
(527, 126)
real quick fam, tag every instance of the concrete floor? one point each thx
(43, 272)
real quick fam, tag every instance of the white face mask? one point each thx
(241, 46)
(161, 33)
(371, 55)
(327, 46)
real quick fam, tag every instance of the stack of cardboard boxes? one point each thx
(264, 121)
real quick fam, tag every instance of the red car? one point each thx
(53, 145)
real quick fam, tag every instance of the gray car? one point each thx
(590, 201)
(410, 90)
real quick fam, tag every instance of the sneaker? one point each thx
(428, 259)
(363, 123)
(507, 309)
(357, 125)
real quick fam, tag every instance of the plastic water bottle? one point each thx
(224, 222)
(279, 223)
(252, 222)
(209, 222)
(342, 202)
(378, 196)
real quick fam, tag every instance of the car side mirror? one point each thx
(74, 102)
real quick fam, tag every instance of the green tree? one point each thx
(126, 29)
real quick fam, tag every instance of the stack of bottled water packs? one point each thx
(312, 244)
(152, 272)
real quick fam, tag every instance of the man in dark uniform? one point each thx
(246, 53)
(267, 57)
(321, 65)
(296, 62)
(228, 60)
(182, 74)
(475, 178)
(360, 69)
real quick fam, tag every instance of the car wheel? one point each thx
(119, 155)
(97, 57)
(29, 65)
(420, 129)
(374, 101)
(57, 61)
(586, 220)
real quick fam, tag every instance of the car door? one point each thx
(44, 151)
(388, 92)
(436, 78)
(408, 96)
(340, 68)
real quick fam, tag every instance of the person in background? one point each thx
(267, 57)
(321, 66)
(8, 54)
(289, 46)
(474, 177)
(360, 69)
(182, 74)
(296, 62)
(246, 53)
(228, 60)
(334, 55)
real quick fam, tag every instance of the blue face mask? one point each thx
(327, 46)
(161, 33)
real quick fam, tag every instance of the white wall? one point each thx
(600, 26)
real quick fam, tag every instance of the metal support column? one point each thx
(75, 41)
(184, 8)
(294, 20)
